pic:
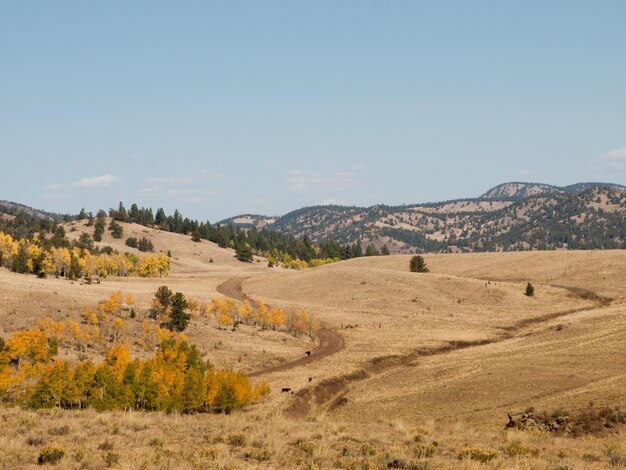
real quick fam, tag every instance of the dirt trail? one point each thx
(331, 392)
(329, 341)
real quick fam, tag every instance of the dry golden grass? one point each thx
(262, 438)
(435, 358)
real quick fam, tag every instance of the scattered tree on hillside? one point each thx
(244, 253)
(418, 265)
(116, 229)
(530, 290)
(384, 250)
(85, 242)
(179, 318)
(99, 226)
(371, 251)
(143, 244)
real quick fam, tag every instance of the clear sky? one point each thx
(225, 107)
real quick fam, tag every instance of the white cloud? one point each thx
(54, 187)
(614, 160)
(103, 181)
(316, 182)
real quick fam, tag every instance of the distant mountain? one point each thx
(14, 208)
(510, 216)
(517, 190)
(249, 221)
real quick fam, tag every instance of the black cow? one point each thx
(308, 353)
(285, 390)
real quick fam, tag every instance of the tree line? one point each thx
(176, 378)
(80, 260)
(246, 242)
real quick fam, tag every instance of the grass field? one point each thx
(429, 368)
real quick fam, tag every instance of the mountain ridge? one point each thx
(509, 216)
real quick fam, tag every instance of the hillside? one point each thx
(508, 217)
(9, 208)
(438, 358)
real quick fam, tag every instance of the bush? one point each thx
(116, 229)
(516, 449)
(477, 453)
(132, 242)
(530, 290)
(111, 458)
(418, 265)
(244, 254)
(237, 440)
(145, 245)
(424, 451)
(50, 454)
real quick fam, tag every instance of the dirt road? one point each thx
(329, 341)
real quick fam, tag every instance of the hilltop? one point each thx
(509, 217)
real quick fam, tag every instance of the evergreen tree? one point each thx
(116, 229)
(244, 253)
(134, 214)
(371, 251)
(164, 295)
(160, 216)
(179, 318)
(85, 242)
(418, 265)
(530, 290)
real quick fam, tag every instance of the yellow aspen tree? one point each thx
(245, 312)
(118, 358)
(130, 300)
(261, 309)
(205, 310)
(119, 328)
(28, 345)
(193, 305)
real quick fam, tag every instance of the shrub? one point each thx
(145, 245)
(35, 441)
(111, 458)
(244, 254)
(106, 445)
(477, 453)
(418, 265)
(132, 242)
(424, 451)
(116, 229)
(260, 455)
(237, 440)
(516, 449)
(50, 454)
(60, 431)
(530, 290)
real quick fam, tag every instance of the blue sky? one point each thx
(221, 108)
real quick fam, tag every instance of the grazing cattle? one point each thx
(308, 353)
(285, 390)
